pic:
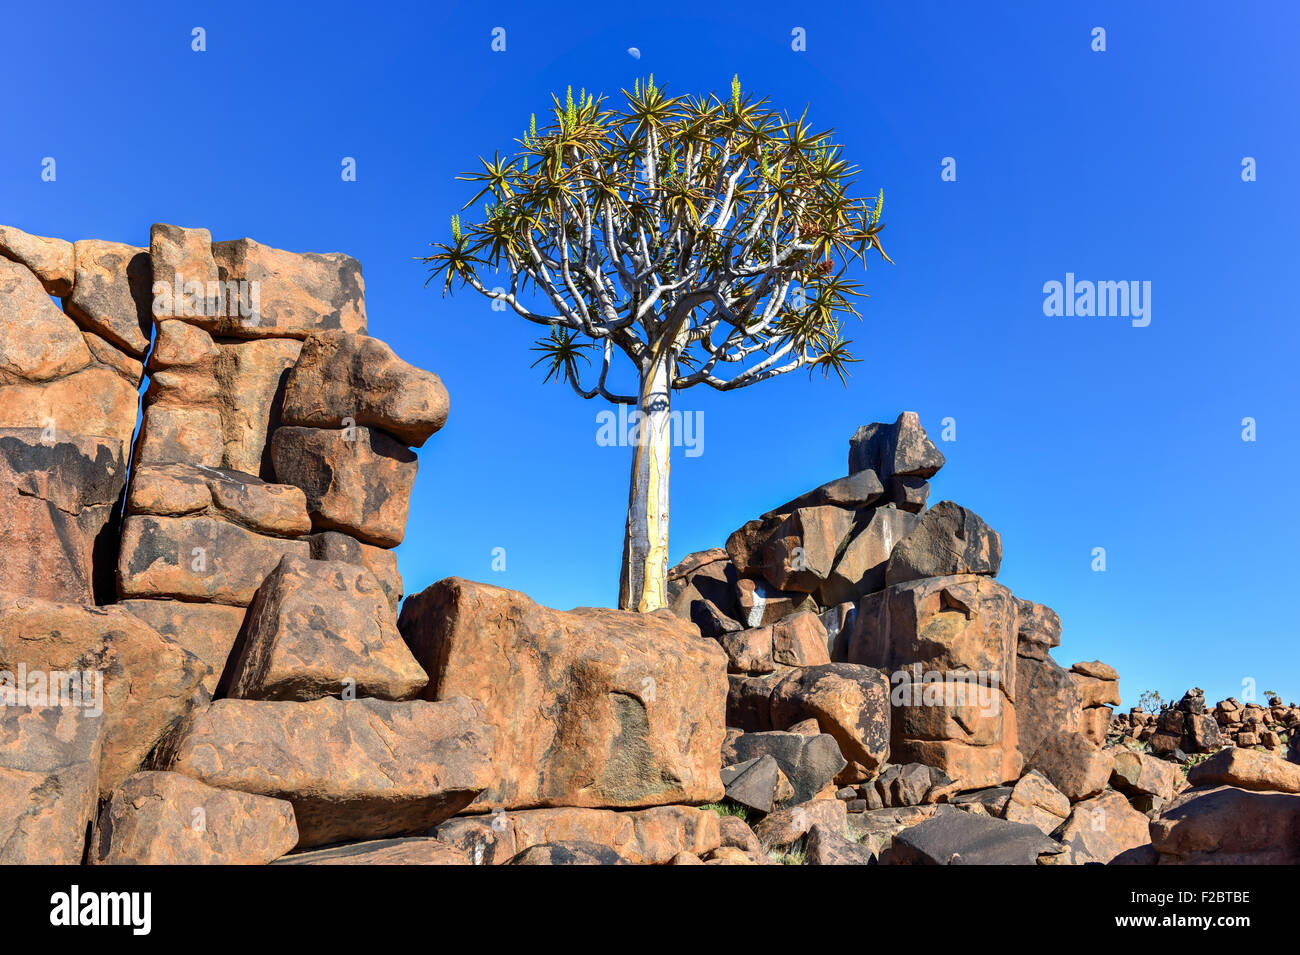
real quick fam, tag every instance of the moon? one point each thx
(634, 53)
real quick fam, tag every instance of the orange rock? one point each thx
(94, 401)
(37, 341)
(332, 545)
(50, 259)
(177, 490)
(409, 851)
(353, 769)
(208, 631)
(145, 680)
(169, 819)
(250, 378)
(112, 293)
(624, 709)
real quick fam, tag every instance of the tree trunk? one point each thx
(643, 582)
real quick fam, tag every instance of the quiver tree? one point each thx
(705, 240)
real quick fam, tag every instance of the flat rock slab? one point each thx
(170, 819)
(49, 783)
(1226, 825)
(322, 628)
(353, 769)
(1247, 769)
(568, 853)
(409, 851)
(197, 558)
(954, 837)
(593, 707)
(646, 836)
(177, 490)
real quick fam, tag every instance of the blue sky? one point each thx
(1072, 433)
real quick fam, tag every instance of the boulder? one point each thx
(853, 493)
(624, 709)
(197, 558)
(1038, 803)
(1094, 692)
(647, 836)
(357, 480)
(1138, 774)
(250, 378)
(860, 567)
(1047, 701)
(341, 379)
(140, 681)
(353, 769)
(757, 783)
(1246, 769)
(902, 449)
(209, 631)
(333, 545)
(1096, 723)
(825, 845)
(569, 853)
(749, 706)
(179, 490)
(953, 837)
(785, 827)
(745, 544)
(801, 551)
(158, 818)
(1074, 765)
(97, 400)
(112, 293)
(1226, 825)
(51, 260)
(849, 702)
(1103, 827)
(414, 850)
(323, 628)
(949, 539)
(297, 294)
(1038, 629)
(810, 763)
(56, 505)
(49, 782)
(37, 341)
(760, 605)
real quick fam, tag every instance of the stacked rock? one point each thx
(1186, 727)
(1098, 685)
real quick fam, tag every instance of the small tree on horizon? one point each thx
(706, 240)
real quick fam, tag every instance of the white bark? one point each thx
(645, 544)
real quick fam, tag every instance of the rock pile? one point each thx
(1186, 728)
(202, 658)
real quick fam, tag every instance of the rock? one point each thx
(140, 681)
(964, 622)
(736, 834)
(177, 490)
(908, 493)
(799, 640)
(993, 800)
(643, 837)
(748, 651)
(1094, 692)
(1047, 701)
(625, 709)
(37, 341)
(849, 702)
(1246, 769)
(185, 274)
(760, 605)
(953, 837)
(49, 782)
(112, 293)
(357, 480)
(785, 827)
(197, 558)
(332, 545)
(1103, 827)
(705, 578)
(168, 819)
(854, 492)
(1073, 764)
(745, 544)
(323, 628)
(408, 851)
(825, 845)
(860, 567)
(298, 294)
(96, 401)
(1038, 803)
(949, 539)
(749, 703)
(209, 631)
(1229, 826)
(568, 853)
(1096, 723)
(808, 762)
(1136, 774)
(1039, 629)
(353, 769)
(250, 379)
(51, 260)
(901, 449)
(799, 554)
(343, 379)
(1097, 670)
(757, 783)
(56, 506)
(685, 858)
